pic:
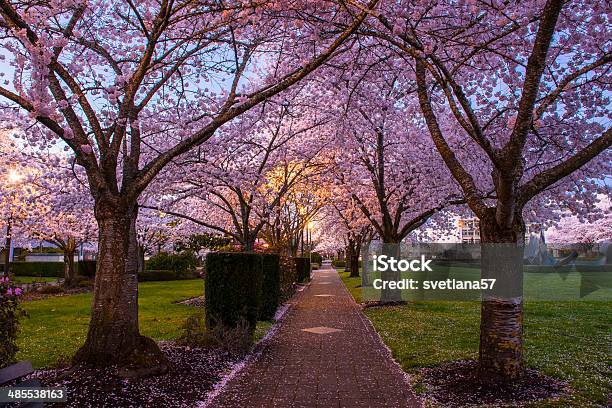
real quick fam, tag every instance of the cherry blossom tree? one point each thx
(155, 231)
(287, 226)
(21, 196)
(129, 87)
(574, 229)
(254, 163)
(346, 222)
(46, 200)
(388, 165)
(66, 219)
(385, 161)
(330, 241)
(527, 86)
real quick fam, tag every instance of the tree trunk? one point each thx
(293, 247)
(141, 259)
(501, 316)
(249, 243)
(354, 265)
(70, 274)
(7, 249)
(391, 249)
(354, 257)
(113, 336)
(348, 257)
(365, 270)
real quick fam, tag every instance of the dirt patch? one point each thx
(196, 302)
(378, 303)
(26, 297)
(456, 384)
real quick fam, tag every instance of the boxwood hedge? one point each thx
(43, 269)
(233, 289)
(302, 265)
(270, 291)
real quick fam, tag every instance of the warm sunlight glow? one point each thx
(14, 177)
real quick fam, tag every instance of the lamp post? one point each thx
(309, 237)
(302, 241)
(13, 178)
(308, 245)
(7, 246)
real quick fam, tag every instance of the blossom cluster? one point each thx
(7, 289)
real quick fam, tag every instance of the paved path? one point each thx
(325, 354)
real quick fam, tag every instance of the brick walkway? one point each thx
(337, 362)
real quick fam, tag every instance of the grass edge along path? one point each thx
(566, 340)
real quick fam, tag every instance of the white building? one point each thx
(468, 230)
(48, 257)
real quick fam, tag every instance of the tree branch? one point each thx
(548, 177)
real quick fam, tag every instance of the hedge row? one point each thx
(43, 269)
(317, 258)
(88, 269)
(270, 290)
(185, 261)
(245, 287)
(339, 263)
(288, 277)
(51, 269)
(233, 289)
(302, 266)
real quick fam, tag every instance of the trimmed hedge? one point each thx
(156, 275)
(288, 277)
(178, 263)
(317, 258)
(339, 263)
(87, 268)
(233, 289)
(270, 290)
(42, 269)
(9, 325)
(302, 266)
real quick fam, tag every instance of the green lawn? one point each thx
(57, 326)
(32, 279)
(567, 340)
